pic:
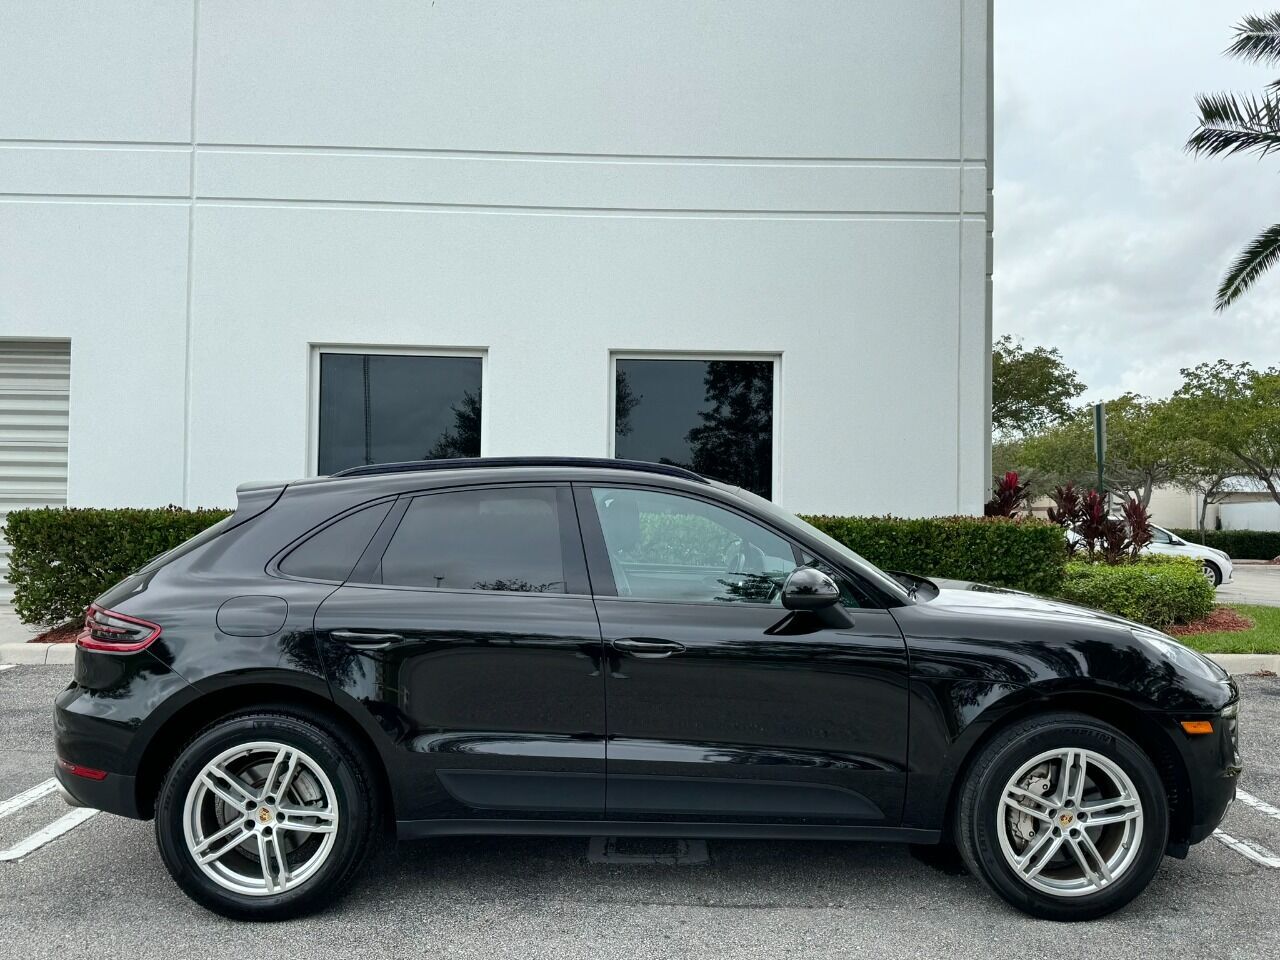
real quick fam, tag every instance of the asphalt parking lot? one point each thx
(100, 890)
(1252, 582)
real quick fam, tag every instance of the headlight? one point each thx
(1183, 657)
(1231, 711)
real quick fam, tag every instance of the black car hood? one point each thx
(972, 598)
(1058, 622)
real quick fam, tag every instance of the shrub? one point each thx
(1155, 590)
(61, 558)
(1239, 544)
(1025, 554)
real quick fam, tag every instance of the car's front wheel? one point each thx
(1211, 572)
(1064, 816)
(265, 815)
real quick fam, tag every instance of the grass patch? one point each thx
(1263, 638)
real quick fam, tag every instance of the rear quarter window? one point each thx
(331, 552)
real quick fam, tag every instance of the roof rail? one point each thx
(461, 463)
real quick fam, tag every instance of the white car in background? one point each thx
(1214, 563)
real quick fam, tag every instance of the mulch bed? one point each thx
(66, 633)
(1220, 620)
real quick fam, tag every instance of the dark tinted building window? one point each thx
(377, 408)
(331, 553)
(712, 416)
(479, 540)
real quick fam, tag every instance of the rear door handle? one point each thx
(367, 640)
(647, 647)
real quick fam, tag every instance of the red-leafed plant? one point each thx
(1138, 521)
(1008, 496)
(1113, 545)
(1067, 512)
(1093, 518)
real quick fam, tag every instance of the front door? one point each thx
(468, 633)
(722, 705)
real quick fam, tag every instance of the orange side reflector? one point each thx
(1197, 726)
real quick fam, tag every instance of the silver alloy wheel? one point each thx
(260, 818)
(1070, 822)
(1209, 572)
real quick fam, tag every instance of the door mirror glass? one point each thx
(807, 588)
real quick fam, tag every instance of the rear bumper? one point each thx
(115, 793)
(84, 735)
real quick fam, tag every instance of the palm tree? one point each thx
(1245, 123)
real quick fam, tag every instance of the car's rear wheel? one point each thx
(265, 815)
(1064, 816)
(1211, 572)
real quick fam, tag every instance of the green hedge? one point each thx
(1239, 544)
(61, 558)
(1025, 554)
(1156, 590)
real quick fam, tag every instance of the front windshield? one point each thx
(870, 571)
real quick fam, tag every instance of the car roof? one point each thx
(416, 474)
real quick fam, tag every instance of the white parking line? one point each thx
(66, 822)
(1260, 805)
(1250, 850)
(7, 666)
(27, 796)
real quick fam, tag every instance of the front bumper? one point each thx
(1213, 766)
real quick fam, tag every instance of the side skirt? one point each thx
(417, 829)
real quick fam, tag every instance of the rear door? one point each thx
(467, 632)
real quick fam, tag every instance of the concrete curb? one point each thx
(38, 654)
(1241, 663)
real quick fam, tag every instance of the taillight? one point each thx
(115, 632)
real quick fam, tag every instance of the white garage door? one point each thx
(35, 379)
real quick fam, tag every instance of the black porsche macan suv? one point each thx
(587, 647)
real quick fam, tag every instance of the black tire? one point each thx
(354, 791)
(980, 805)
(1212, 573)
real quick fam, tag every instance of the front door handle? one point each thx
(647, 647)
(366, 639)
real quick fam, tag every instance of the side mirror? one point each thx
(807, 588)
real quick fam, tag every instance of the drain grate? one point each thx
(634, 850)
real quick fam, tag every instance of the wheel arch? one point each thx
(167, 742)
(1125, 717)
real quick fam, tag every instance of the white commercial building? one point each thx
(247, 239)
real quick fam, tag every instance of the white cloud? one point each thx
(1109, 239)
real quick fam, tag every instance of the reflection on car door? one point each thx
(468, 633)
(721, 705)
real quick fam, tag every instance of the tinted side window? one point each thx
(664, 546)
(331, 553)
(479, 540)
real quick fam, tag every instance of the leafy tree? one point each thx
(1236, 409)
(1143, 449)
(1233, 123)
(1208, 471)
(1030, 389)
(464, 439)
(734, 443)
(625, 400)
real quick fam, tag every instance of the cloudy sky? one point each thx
(1109, 239)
